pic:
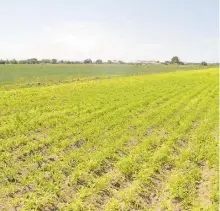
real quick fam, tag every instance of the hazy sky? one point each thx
(109, 29)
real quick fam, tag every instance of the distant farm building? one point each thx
(147, 62)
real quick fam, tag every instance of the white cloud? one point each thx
(77, 40)
(80, 40)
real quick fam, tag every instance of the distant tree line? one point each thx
(174, 60)
(55, 61)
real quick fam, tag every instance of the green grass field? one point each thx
(21, 74)
(145, 142)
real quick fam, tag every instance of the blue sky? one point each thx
(110, 29)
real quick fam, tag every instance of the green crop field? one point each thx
(30, 74)
(143, 142)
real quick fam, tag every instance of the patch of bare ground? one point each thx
(149, 130)
(133, 141)
(176, 205)
(204, 186)
(105, 167)
(67, 193)
(117, 182)
(48, 207)
(154, 197)
(7, 207)
(102, 197)
(99, 199)
(162, 133)
(159, 199)
(16, 194)
(35, 135)
(78, 144)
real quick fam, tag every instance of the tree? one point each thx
(13, 61)
(98, 61)
(121, 62)
(87, 61)
(175, 60)
(204, 63)
(32, 61)
(54, 61)
(110, 62)
(2, 62)
(46, 61)
(22, 62)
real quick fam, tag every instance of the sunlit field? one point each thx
(141, 142)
